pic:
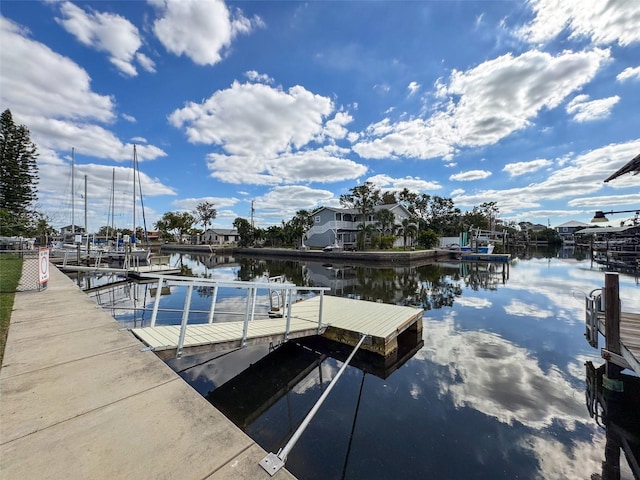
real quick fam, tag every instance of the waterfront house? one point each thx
(340, 226)
(567, 229)
(220, 236)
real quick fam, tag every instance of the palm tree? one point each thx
(408, 229)
(364, 232)
(385, 219)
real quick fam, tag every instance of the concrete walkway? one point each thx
(80, 400)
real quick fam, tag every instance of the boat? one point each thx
(124, 250)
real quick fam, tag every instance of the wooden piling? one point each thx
(612, 381)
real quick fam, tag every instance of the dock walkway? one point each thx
(343, 320)
(80, 400)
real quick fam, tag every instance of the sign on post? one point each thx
(43, 265)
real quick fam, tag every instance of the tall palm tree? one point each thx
(408, 229)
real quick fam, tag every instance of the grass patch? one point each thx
(10, 271)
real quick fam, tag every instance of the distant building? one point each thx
(70, 229)
(220, 236)
(566, 230)
(340, 226)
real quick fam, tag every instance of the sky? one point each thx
(287, 105)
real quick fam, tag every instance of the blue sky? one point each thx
(290, 104)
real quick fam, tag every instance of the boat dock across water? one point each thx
(290, 315)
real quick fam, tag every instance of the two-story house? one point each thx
(340, 226)
(566, 230)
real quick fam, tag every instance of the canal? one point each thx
(494, 388)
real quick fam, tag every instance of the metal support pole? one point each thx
(320, 311)
(213, 304)
(245, 325)
(272, 463)
(154, 313)
(185, 319)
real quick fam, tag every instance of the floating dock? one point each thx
(343, 320)
(485, 257)
(620, 329)
(340, 319)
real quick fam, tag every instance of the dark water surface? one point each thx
(494, 389)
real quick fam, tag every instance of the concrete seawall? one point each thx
(79, 399)
(377, 257)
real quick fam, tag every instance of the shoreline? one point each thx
(407, 257)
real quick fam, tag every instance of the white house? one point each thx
(566, 230)
(220, 236)
(340, 226)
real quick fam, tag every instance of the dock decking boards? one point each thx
(345, 319)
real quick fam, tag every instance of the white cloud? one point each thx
(269, 136)
(200, 29)
(473, 302)
(520, 168)
(106, 32)
(413, 88)
(604, 23)
(582, 173)
(254, 76)
(470, 175)
(584, 110)
(482, 105)
(413, 184)
(610, 200)
(145, 62)
(520, 309)
(38, 81)
(218, 202)
(128, 118)
(457, 191)
(629, 74)
(284, 201)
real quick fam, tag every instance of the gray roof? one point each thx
(573, 223)
(632, 166)
(591, 230)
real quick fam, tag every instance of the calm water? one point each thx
(494, 388)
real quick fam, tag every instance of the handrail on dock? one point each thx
(287, 291)
(272, 463)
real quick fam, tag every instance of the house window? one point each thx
(338, 216)
(565, 229)
(317, 219)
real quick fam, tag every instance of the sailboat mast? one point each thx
(73, 194)
(86, 225)
(134, 192)
(112, 203)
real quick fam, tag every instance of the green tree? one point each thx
(362, 198)
(174, 224)
(300, 224)
(43, 229)
(246, 233)
(409, 229)
(205, 213)
(386, 220)
(18, 177)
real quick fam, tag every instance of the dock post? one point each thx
(611, 379)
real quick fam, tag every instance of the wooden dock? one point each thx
(629, 341)
(485, 257)
(343, 320)
(621, 330)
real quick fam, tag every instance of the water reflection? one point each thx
(494, 388)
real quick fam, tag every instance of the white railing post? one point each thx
(288, 306)
(253, 302)
(185, 319)
(154, 313)
(320, 311)
(245, 325)
(213, 304)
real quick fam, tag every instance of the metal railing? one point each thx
(594, 306)
(288, 293)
